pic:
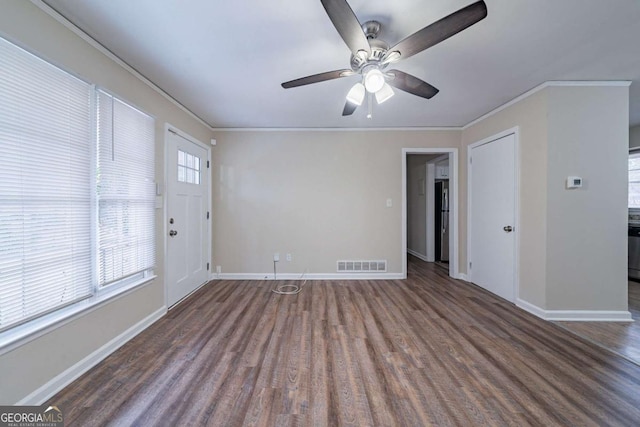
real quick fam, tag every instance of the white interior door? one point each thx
(187, 212)
(492, 206)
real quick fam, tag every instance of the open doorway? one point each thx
(439, 229)
(430, 206)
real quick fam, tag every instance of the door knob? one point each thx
(508, 228)
(172, 233)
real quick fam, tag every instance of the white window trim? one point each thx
(22, 334)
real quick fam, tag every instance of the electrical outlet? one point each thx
(276, 257)
(289, 257)
(218, 269)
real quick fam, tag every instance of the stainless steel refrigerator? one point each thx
(442, 221)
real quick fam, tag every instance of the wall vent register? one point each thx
(377, 266)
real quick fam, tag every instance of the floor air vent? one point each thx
(379, 266)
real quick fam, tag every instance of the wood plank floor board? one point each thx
(375, 385)
(556, 378)
(621, 337)
(203, 355)
(322, 401)
(428, 350)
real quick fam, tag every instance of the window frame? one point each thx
(140, 276)
(634, 152)
(23, 332)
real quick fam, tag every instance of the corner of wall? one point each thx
(588, 134)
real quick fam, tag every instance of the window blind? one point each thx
(45, 190)
(634, 180)
(126, 190)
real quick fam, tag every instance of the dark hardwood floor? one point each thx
(621, 337)
(425, 351)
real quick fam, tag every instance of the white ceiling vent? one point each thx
(376, 266)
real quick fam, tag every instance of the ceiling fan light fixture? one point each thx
(362, 54)
(392, 57)
(374, 80)
(370, 55)
(384, 94)
(356, 94)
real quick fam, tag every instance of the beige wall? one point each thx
(572, 247)
(34, 364)
(28, 367)
(634, 137)
(417, 203)
(320, 195)
(587, 228)
(530, 116)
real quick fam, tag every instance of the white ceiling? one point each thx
(225, 60)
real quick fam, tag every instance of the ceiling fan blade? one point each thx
(317, 78)
(411, 84)
(440, 30)
(349, 108)
(347, 25)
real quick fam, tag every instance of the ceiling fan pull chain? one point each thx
(370, 105)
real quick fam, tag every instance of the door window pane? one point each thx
(188, 168)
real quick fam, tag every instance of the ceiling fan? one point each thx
(371, 56)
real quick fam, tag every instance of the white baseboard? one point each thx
(462, 276)
(46, 391)
(576, 315)
(531, 308)
(311, 276)
(589, 315)
(418, 255)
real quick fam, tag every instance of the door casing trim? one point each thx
(515, 131)
(165, 221)
(454, 270)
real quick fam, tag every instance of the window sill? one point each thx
(20, 335)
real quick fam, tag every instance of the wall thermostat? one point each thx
(574, 182)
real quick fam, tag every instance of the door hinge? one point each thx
(207, 214)
(207, 266)
(207, 164)
(470, 264)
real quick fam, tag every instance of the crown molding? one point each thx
(316, 129)
(551, 83)
(102, 49)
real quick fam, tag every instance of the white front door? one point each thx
(492, 205)
(187, 228)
